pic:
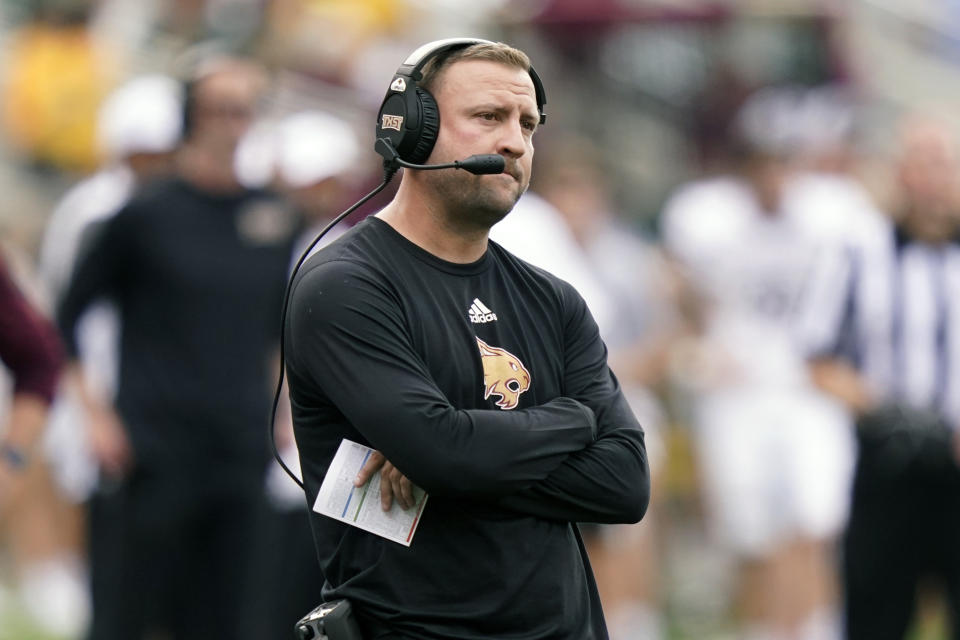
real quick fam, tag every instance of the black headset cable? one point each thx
(388, 173)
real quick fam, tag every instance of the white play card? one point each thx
(360, 506)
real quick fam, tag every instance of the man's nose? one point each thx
(512, 142)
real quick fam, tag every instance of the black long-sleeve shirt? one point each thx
(487, 385)
(198, 279)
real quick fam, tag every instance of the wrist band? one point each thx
(13, 456)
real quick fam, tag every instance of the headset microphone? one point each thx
(481, 164)
(485, 164)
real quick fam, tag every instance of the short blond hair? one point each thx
(491, 52)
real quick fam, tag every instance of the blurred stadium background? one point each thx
(653, 82)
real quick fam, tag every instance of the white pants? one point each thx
(775, 465)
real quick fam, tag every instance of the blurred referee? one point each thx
(884, 331)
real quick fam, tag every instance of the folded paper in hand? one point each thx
(360, 506)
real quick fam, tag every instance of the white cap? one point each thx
(313, 146)
(826, 119)
(766, 121)
(143, 115)
(793, 120)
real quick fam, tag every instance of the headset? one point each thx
(407, 126)
(191, 85)
(188, 106)
(409, 120)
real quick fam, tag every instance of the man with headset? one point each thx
(474, 375)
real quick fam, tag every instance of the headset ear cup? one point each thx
(429, 127)
(187, 107)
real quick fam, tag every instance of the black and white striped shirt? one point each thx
(890, 305)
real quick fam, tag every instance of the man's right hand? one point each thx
(393, 484)
(842, 381)
(106, 433)
(109, 441)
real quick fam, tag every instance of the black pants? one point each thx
(904, 528)
(170, 553)
(287, 582)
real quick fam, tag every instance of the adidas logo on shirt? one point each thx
(479, 313)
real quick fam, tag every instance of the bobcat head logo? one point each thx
(503, 375)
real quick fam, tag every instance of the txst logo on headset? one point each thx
(388, 121)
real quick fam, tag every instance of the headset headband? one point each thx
(412, 67)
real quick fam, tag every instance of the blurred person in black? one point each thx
(475, 376)
(138, 127)
(196, 265)
(883, 328)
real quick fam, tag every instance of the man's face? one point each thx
(225, 107)
(768, 175)
(485, 107)
(928, 176)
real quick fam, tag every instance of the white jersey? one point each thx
(615, 275)
(752, 267)
(776, 453)
(536, 232)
